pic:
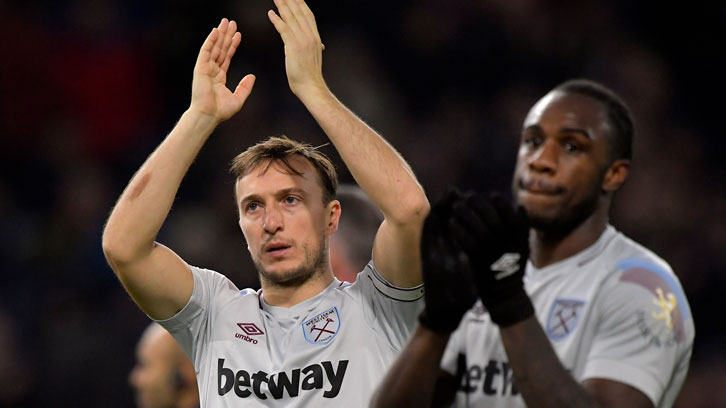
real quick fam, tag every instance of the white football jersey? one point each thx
(613, 311)
(328, 351)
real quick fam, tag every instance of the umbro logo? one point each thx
(506, 265)
(250, 329)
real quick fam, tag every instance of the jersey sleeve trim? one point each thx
(394, 292)
(628, 374)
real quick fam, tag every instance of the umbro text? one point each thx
(245, 338)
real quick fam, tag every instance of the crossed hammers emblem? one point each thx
(323, 329)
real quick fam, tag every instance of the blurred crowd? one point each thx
(89, 88)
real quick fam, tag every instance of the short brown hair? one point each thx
(279, 149)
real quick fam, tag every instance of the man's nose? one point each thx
(273, 219)
(544, 159)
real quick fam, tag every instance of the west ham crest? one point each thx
(322, 328)
(563, 318)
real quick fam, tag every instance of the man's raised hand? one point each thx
(447, 274)
(303, 47)
(210, 95)
(495, 237)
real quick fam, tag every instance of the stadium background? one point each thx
(89, 88)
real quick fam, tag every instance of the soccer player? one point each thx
(305, 339)
(351, 246)
(571, 312)
(163, 375)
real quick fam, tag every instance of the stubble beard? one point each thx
(567, 219)
(312, 266)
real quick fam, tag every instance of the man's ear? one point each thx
(333, 212)
(616, 175)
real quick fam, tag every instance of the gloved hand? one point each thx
(495, 238)
(449, 284)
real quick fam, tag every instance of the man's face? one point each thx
(152, 375)
(562, 159)
(284, 221)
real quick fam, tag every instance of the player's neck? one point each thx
(343, 269)
(548, 248)
(288, 296)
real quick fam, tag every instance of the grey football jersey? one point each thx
(328, 351)
(614, 311)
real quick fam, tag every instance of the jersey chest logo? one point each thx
(564, 317)
(250, 330)
(323, 327)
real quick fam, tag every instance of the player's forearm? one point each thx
(411, 380)
(145, 203)
(377, 167)
(538, 372)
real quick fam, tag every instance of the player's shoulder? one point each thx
(635, 269)
(220, 282)
(247, 292)
(642, 286)
(623, 253)
(372, 279)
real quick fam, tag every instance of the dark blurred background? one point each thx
(88, 88)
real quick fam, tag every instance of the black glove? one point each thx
(449, 283)
(495, 238)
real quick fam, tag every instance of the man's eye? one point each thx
(291, 200)
(533, 141)
(252, 206)
(571, 147)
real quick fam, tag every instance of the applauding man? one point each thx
(305, 339)
(571, 313)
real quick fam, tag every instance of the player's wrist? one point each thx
(510, 308)
(311, 91)
(433, 335)
(437, 325)
(200, 117)
(197, 123)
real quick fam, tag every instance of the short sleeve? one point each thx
(645, 332)
(390, 310)
(190, 326)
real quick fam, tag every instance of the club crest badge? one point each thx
(323, 327)
(564, 317)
